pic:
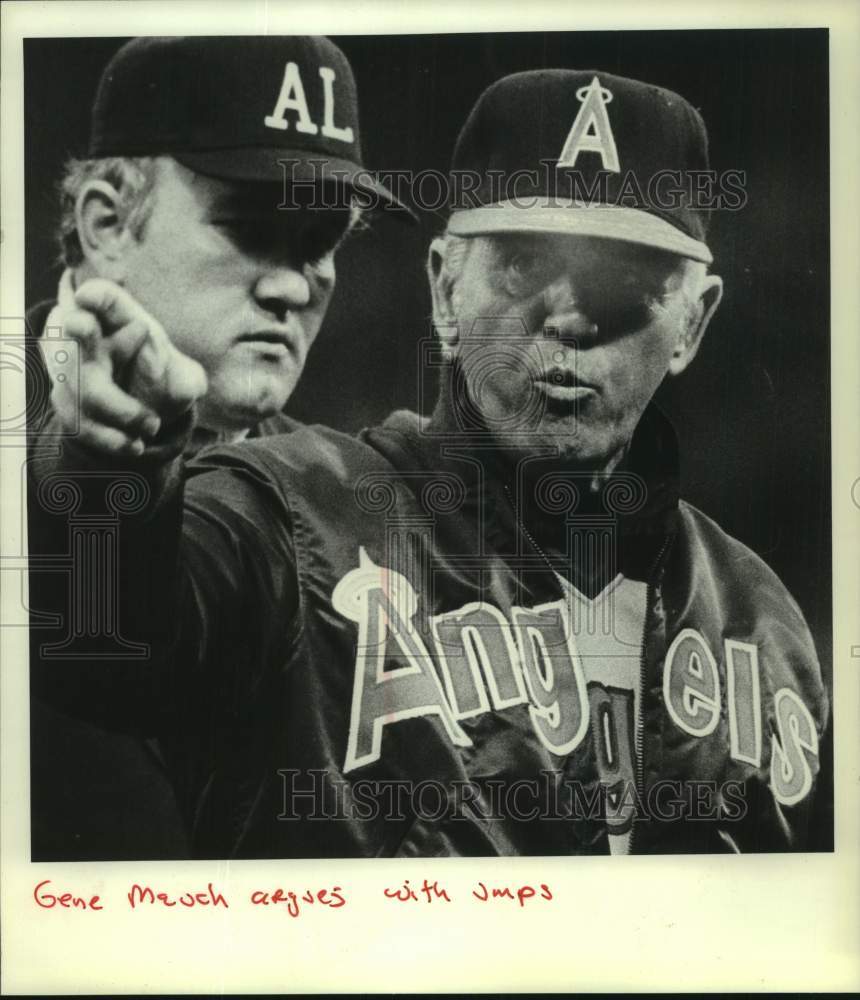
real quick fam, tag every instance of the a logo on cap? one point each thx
(591, 131)
(292, 98)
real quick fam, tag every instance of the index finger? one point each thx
(112, 303)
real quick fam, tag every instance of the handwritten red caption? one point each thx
(66, 900)
(289, 901)
(143, 895)
(332, 898)
(431, 891)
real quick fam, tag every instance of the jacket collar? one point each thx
(636, 506)
(641, 495)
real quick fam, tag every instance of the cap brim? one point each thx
(544, 215)
(283, 166)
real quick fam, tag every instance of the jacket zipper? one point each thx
(649, 600)
(640, 721)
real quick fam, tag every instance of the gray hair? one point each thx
(456, 252)
(134, 181)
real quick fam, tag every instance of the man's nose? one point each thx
(565, 318)
(282, 287)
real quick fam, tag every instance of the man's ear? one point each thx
(710, 295)
(102, 232)
(443, 295)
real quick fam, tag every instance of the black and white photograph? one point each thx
(470, 575)
(428, 453)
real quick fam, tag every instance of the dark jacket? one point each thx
(379, 645)
(98, 790)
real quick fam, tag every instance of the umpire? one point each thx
(184, 211)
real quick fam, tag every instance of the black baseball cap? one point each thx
(629, 146)
(234, 107)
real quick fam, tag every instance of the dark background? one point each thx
(753, 412)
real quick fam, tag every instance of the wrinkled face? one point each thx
(563, 340)
(237, 284)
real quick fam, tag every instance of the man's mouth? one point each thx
(274, 342)
(563, 385)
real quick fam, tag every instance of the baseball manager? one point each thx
(497, 630)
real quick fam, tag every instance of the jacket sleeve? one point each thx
(156, 587)
(771, 733)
